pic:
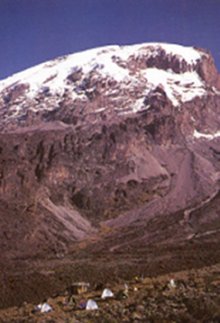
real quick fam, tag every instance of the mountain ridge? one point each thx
(100, 75)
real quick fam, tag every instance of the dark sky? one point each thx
(33, 31)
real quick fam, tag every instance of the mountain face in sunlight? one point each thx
(112, 151)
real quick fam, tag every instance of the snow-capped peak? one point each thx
(127, 73)
(98, 58)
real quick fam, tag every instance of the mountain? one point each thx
(109, 158)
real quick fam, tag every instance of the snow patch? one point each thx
(189, 54)
(139, 105)
(54, 73)
(207, 136)
(178, 87)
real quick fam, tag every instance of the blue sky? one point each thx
(33, 31)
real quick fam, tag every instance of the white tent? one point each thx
(44, 308)
(107, 293)
(91, 305)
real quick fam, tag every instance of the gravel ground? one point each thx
(193, 297)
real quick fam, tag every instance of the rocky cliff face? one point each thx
(112, 149)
